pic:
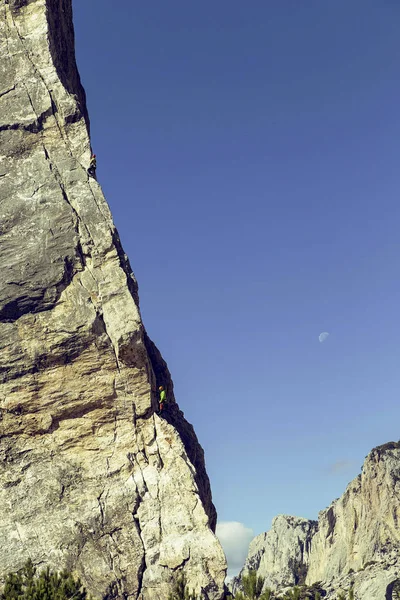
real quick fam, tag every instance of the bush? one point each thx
(27, 585)
(293, 594)
(304, 592)
(253, 585)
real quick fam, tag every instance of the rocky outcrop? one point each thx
(281, 554)
(91, 479)
(356, 541)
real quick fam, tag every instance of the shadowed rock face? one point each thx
(356, 540)
(90, 477)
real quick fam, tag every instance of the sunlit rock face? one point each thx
(279, 555)
(356, 541)
(91, 478)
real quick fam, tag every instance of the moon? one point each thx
(323, 336)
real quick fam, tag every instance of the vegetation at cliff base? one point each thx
(26, 584)
(252, 589)
(343, 596)
(180, 590)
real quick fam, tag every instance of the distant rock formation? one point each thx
(356, 541)
(91, 479)
(280, 554)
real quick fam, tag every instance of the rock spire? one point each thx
(91, 478)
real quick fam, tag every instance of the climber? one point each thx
(163, 397)
(92, 166)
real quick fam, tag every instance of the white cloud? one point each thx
(235, 539)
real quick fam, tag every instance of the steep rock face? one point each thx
(361, 527)
(90, 477)
(355, 542)
(280, 554)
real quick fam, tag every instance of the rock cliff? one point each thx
(91, 479)
(356, 541)
(279, 555)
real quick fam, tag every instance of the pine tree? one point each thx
(293, 594)
(180, 590)
(48, 585)
(252, 585)
(252, 588)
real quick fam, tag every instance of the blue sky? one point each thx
(250, 156)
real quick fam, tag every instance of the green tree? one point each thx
(26, 584)
(343, 596)
(180, 590)
(304, 592)
(293, 594)
(252, 585)
(266, 595)
(252, 588)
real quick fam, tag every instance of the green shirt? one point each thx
(163, 396)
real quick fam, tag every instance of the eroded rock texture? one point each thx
(356, 541)
(90, 477)
(279, 554)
